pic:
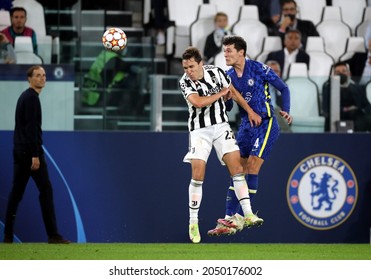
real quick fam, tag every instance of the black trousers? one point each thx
(21, 176)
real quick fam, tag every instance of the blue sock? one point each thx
(252, 182)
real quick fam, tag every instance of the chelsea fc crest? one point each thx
(322, 191)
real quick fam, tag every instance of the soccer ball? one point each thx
(114, 39)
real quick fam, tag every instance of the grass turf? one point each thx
(136, 251)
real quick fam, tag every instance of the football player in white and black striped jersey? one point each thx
(205, 88)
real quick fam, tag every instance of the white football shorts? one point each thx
(202, 140)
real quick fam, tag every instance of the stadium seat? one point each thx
(352, 12)
(24, 51)
(254, 32)
(311, 10)
(353, 45)
(334, 31)
(366, 21)
(4, 19)
(368, 91)
(183, 14)
(270, 44)
(28, 58)
(219, 61)
(248, 12)
(320, 62)
(331, 13)
(44, 46)
(230, 7)
(304, 100)
(23, 44)
(203, 25)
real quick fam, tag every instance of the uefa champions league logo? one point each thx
(322, 191)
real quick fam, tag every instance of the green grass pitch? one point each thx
(171, 251)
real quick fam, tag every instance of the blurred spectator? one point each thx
(290, 53)
(213, 44)
(269, 12)
(7, 55)
(158, 20)
(289, 21)
(5, 5)
(360, 63)
(18, 18)
(354, 105)
(276, 97)
(360, 66)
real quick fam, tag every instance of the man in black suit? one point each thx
(360, 65)
(291, 52)
(289, 21)
(354, 105)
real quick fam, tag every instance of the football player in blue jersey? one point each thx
(252, 79)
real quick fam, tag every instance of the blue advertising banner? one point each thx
(133, 187)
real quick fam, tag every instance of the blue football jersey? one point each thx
(254, 87)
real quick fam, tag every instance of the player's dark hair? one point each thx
(192, 52)
(31, 69)
(17, 9)
(238, 42)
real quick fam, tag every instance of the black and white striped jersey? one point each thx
(213, 81)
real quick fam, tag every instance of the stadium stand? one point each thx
(353, 45)
(311, 10)
(334, 31)
(230, 7)
(219, 61)
(4, 19)
(320, 62)
(366, 21)
(248, 12)
(270, 44)
(203, 25)
(24, 51)
(304, 100)
(183, 14)
(254, 32)
(352, 12)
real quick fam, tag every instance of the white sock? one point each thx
(242, 193)
(195, 197)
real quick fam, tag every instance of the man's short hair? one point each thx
(238, 41)
(192, 52)
(17, 9)
(32, 69)
(220, 14)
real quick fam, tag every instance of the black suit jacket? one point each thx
(279, 56)
(357, 65)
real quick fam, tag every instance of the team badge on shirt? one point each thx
(250, 82)
(322, 191)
